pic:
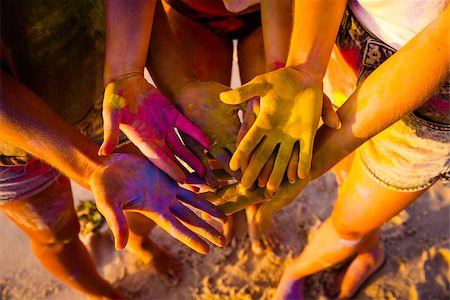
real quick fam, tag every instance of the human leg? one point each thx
(148, 251)
(50, 221)
(362, 206)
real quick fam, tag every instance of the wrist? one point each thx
(179, 86)
(111, 74)
(275, 65)
(311, 75)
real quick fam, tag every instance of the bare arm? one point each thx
(28, 123)
(402, 83)
(316, 24)
(118, 182)
(128, 28)
(276, 17)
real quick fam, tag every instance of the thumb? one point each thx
(118, 224)
(255, 87)
(111, 118)
(329, 116)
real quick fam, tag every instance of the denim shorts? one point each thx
(413, 153)
(22, 175)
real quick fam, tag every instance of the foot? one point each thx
(358, 272)
(261, 240)
(289, 289)
(164, 264)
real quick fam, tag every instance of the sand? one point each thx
(416, 242)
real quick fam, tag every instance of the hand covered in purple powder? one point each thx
(131, 183)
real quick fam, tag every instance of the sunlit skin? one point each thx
(151, 126)
(29, 123)
(209, 58)
(356, 218)
(145, 115)
(153, 195)
(306, 67)
(290, 108)
(119, 182)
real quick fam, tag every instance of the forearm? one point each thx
(128, 28)
(28, 123)
(167, 66)
(277, 27)
(402, 83)
(316, 24)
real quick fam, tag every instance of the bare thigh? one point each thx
(47, 217)
(363, 205)
(209, 55)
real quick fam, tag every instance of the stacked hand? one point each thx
(199, 101)
(148, 119)
(234, 198)
(130, 183)
(289, 113)
(329, 117)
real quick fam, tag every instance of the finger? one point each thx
(305, 157)
(222, 176)
(111, 120)
(224, 157)
(241, 202)
(281, 163)
(176, 229)
(255, 87)
(199, 152)
(200, 203)
(223, 194)
(189, 128)
(249, 119)
(257, 162)
(185, 154)
(293, 164)
(246, 147)
(269, 208)
(213, 163)
(162, 157)
(195, 183)
(282, 198)
(329, 116)
(197, 225)
(263, 177)
(117, 223)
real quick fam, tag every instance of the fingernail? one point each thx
(339, 125)
(292, 181)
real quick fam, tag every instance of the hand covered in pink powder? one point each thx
(127, 182)
(148, 119)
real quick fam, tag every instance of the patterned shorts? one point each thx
(413, 153)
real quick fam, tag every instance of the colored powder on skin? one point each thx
(116, 101)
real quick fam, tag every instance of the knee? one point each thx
(347, 228)
(57, 235)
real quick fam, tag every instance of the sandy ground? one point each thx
(416, 241)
